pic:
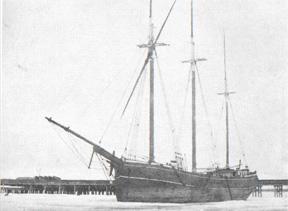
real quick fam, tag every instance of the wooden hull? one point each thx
(147, 183)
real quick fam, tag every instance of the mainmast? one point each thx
(192, 69)
(151, 103)
(226, 105)
(193, 62)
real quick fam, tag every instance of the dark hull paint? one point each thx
(139, 182)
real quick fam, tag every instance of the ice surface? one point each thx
(102, 202)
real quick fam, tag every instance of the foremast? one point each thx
(152, 44)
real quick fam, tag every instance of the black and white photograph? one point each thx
(144, 105)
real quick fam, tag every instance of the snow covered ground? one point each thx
(98, 202)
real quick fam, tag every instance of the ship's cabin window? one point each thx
(229, 174)
(226, 174)
(243, 172)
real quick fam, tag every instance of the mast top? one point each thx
(225, 73)
(226, 92)
(192, 19)
(150, 9)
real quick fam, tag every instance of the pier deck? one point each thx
(57, 186)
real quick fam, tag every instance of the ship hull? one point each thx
(147, 183)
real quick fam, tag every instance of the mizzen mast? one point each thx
(226, 94)
(226, 106)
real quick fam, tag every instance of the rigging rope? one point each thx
(77, 151)
(219, 126)
(222, 108)
(68, 94)
(101, 93)
(103, 166)
(74, 152)
(237, 132)
(73, 149)
(136, 118)
(129, 133)
(206, 113)
(184, 106)
(171, 125)
(119, 102)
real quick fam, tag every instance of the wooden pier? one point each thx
(54, 185)
(276, 184)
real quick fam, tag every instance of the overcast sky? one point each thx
(73, 60)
